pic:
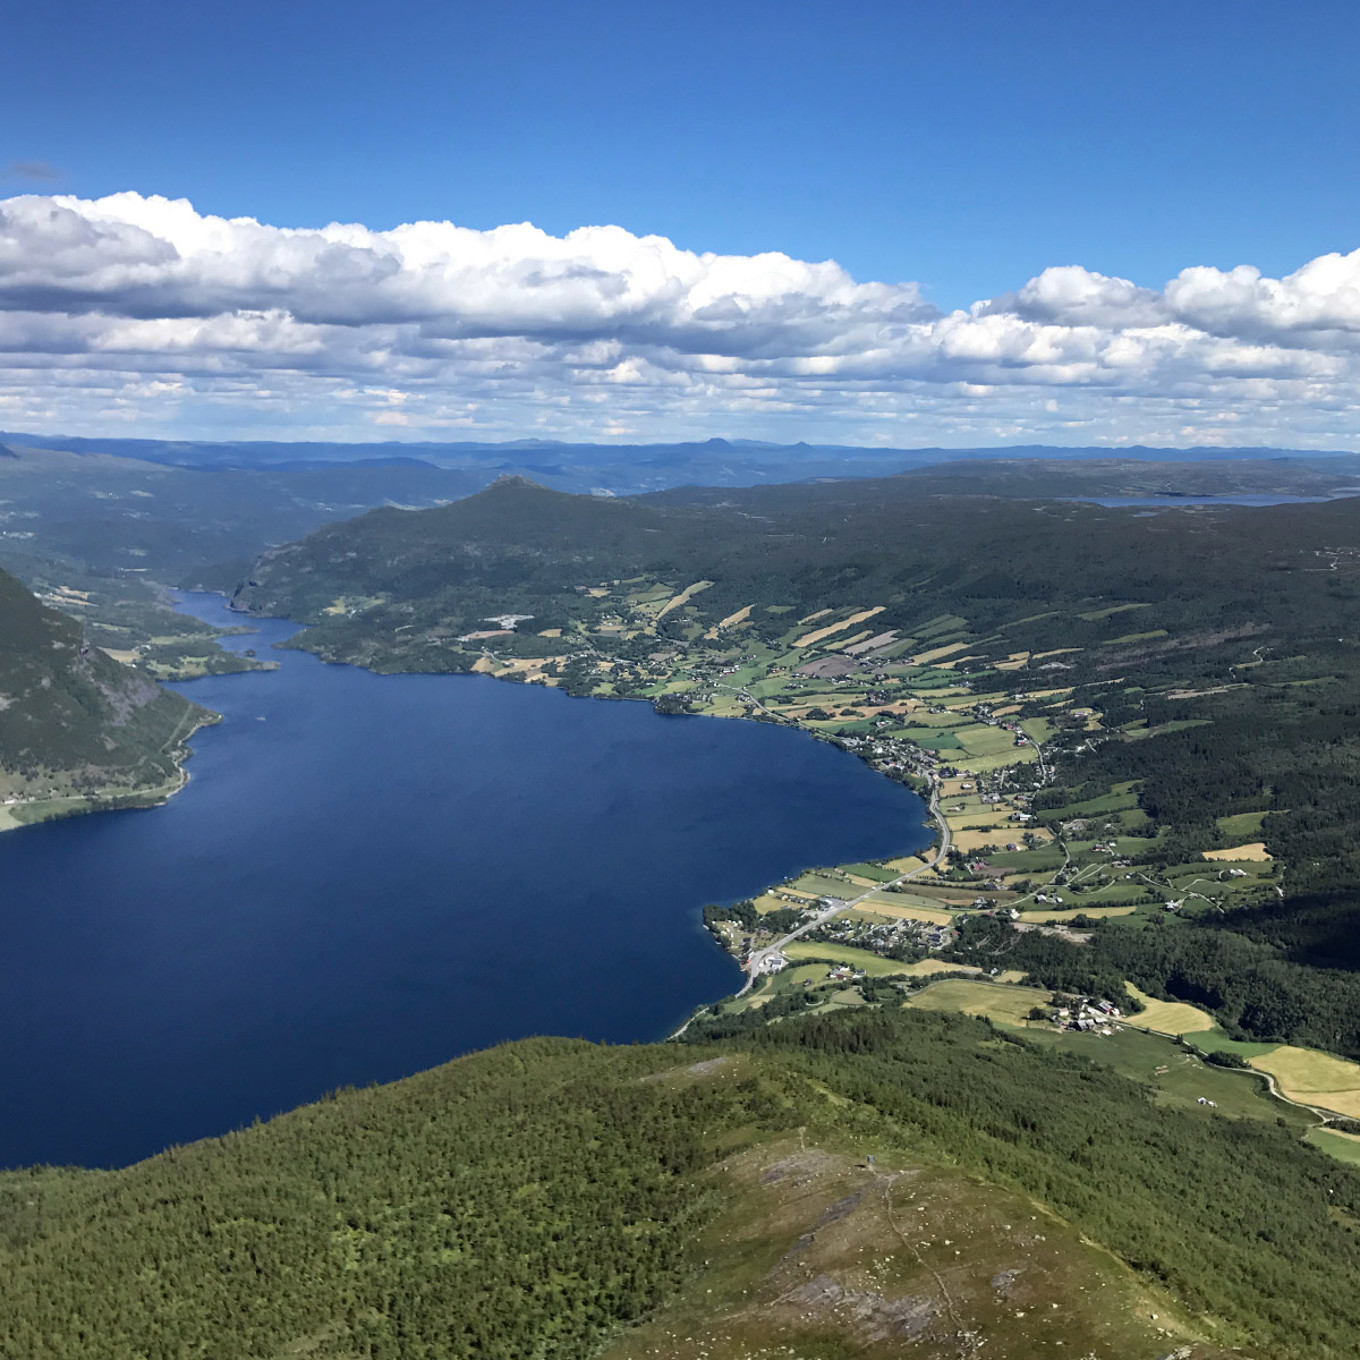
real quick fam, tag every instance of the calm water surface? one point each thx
(368, 875)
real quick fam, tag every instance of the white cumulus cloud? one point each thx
(141, 309)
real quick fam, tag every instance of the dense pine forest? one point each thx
(534, 1199)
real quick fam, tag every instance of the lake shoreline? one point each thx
(386, 871)
(114, 797)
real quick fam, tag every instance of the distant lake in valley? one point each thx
(368, 875)
(1175, 501)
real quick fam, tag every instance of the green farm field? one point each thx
(801, 951)
(1010, 1005)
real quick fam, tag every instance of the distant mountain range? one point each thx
(623, 468)
(199, 513)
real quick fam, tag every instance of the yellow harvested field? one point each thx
(1168, 1017)
(117, 654)
(1095, 913)
(740, 616)
(862, 881)
(899, 706)
(1012, 662)
(843, 643)
(974, 839)
(929, 967)
(882, 904)
(530, 669)
(820, 614)
(768, 902)
(939, 653)
(682, 598)
(1011, 975)
(1256, 850)
(551, 632)
(952, 788)
(809, 638)
(1313, 1078)
(906, 864)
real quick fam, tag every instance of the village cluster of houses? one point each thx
(882, 936)
(891, 753)
(1088, 1015)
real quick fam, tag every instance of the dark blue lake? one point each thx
(368, 875)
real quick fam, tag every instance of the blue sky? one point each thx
(966, 147)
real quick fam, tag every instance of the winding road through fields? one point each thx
(764, 960)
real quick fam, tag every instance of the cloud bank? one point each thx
(140, 312)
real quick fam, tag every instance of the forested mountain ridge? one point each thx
(109, 517)
(819, 546)
(78, 729)
(864, 1185)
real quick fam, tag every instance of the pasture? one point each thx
(1313, 1078)
(901, 908)
(1066, 914)
(1345, 1147)
(801, 951)
(1241, 826)
(1169, 1017)
(1255, 850)
(1005, 1004)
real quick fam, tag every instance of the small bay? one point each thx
(367, 875)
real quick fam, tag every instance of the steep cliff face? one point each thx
(74, 723)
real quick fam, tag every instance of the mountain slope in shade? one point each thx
(78, 729)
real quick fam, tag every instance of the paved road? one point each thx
(760, 961)
(1044, 772)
